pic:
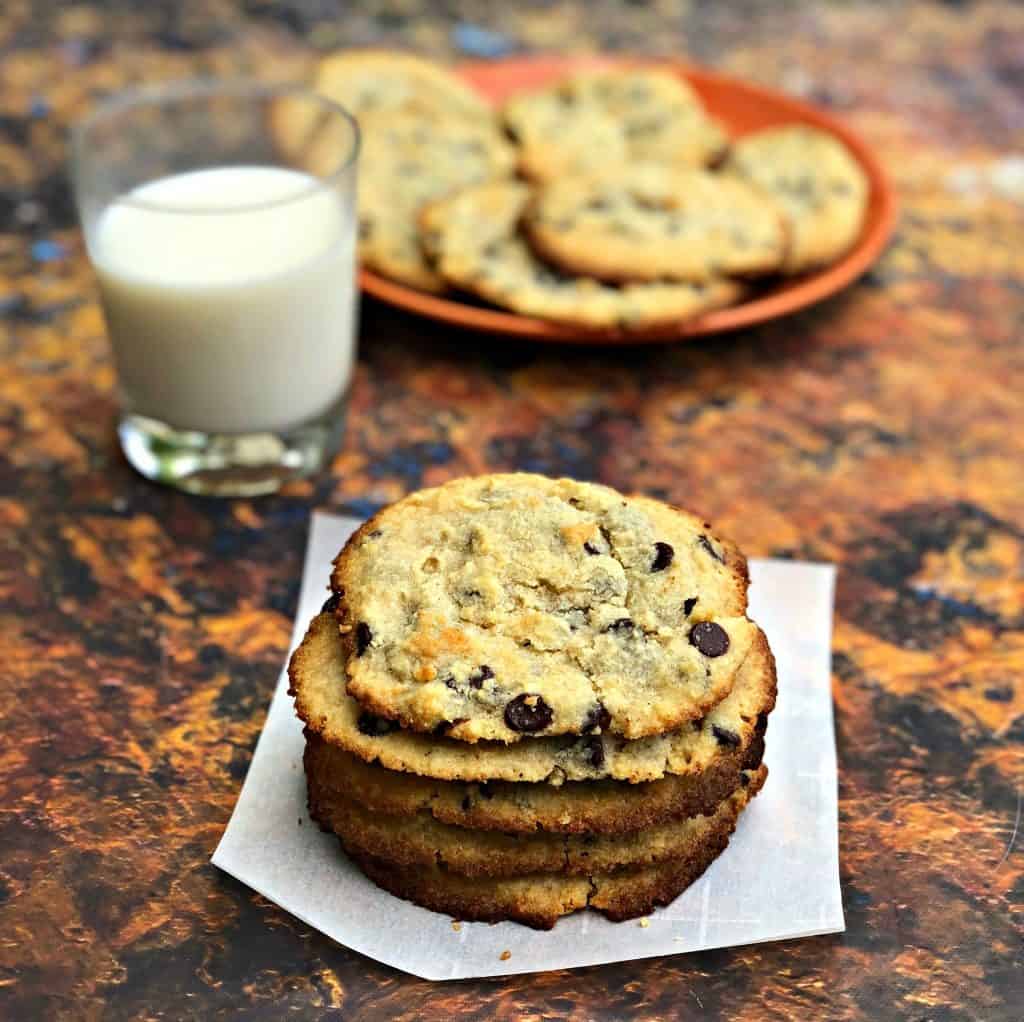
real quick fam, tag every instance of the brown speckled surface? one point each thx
(141, 631)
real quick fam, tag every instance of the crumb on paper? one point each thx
(505, 955)
(644, 922)
(456, 925)
(300, 821)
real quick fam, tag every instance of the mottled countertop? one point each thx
(141, 631)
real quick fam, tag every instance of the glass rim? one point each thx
(155, 96)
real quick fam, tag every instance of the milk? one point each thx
(229, 298)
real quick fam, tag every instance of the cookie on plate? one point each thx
(653, 222)
(375, 81)
(503, 606)
(815, 181)
(418, 839)
(539, 899)
(473, 243)
(406, 162)
(695, 761)
(615, 115)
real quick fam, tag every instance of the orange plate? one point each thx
(744, 108)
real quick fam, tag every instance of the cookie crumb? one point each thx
(644, 922)
(505, 955)
(456, 925)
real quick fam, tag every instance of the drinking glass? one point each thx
(220, 221)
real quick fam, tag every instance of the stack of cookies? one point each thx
(611, 199)
(528, 696)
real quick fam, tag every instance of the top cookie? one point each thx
(512, 605)
(650, 222)
(815, 181)
(613, 116)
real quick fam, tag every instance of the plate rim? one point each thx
(817, 286)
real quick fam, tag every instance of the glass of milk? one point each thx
(220, 220)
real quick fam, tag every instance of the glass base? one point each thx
(230, 464)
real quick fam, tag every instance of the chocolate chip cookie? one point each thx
(612, 116)
(418, 839)
(406, 162)
(816, 183)
(539, 899)
(699, 755)
(506, 606)
(375, 81)
(472, 241)
(652, 222)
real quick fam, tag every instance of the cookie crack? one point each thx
(596, 690)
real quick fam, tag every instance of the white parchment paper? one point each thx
(778, 879)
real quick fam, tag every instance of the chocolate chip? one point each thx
(593, 752)
(363, 638)
(442, 729)
(710, 638)
(466, 804)
(597, 717)
(480, 675)
(663, 554)
(623, 624)
(450, 682)
(591, 549)
(331, 603)
(706, 543)
(689, 604)
(485, 791)
(754, 753)
(725, 736)
(744, 780)
(373, 726)
(521, 716)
